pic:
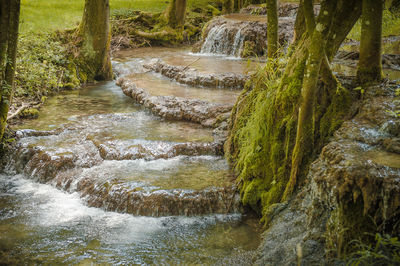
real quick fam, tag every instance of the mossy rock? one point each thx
(30, 113)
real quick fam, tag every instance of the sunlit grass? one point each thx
(49, 15)
(390, 27)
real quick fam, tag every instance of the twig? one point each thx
(186, 67)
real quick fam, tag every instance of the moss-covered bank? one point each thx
(263, 131)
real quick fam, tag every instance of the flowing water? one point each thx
(98, 179)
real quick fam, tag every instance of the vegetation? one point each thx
(43, 66)
(390, 26)
(385, 251)
(9, 24)
(278, 126)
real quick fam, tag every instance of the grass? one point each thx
(390, 26)
(49, 15)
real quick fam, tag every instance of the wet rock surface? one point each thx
(132, 176)
(152, 150)
(230, 35)
(192, 77)
(177, 108)
(359, 169)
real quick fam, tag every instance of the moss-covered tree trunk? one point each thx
(272, 27)
(299, 24)
(227, 6)
(94, 30)
(238, 4)
(370, 64)
(176, 13)
(9, 22)
(279, 124)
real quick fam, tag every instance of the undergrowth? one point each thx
(43, 67)
(385, 251)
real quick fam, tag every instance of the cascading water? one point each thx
(227, 35)
(219, 41)
(86, 176)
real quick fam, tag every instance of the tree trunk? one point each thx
(176, 13)
(9, 19)
(272, 27)
(278, 126)
(238, 4)
(370, 64)
(227, 6)
(96, 37)
(305, 135)
(299, 24)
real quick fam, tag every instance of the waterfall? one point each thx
(219, 41)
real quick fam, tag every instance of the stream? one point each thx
(63, 195)
(104, 178)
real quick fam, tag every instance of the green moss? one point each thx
(333, 117)
(263, 132)
(30, 113)
(214, 11)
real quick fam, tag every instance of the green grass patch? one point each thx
(390, 27)
(49, 15)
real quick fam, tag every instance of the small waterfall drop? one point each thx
(224, 40)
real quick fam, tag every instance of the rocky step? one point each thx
(159, 85)
(192, 77)
(176, 108)
(174, 185)
(160, 202)
(152, 150)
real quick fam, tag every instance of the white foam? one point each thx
(48, 207)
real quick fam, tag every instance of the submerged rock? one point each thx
(192, 77)
(177, 108)
(352, 188)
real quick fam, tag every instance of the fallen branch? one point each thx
(19, 110)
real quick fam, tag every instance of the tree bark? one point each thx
(238, 4)
(176, 13)
(299, 24)
(370, 64)
(227, 6)
(305, 135)
(96, 36)
(9, 19)
(272, 27)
